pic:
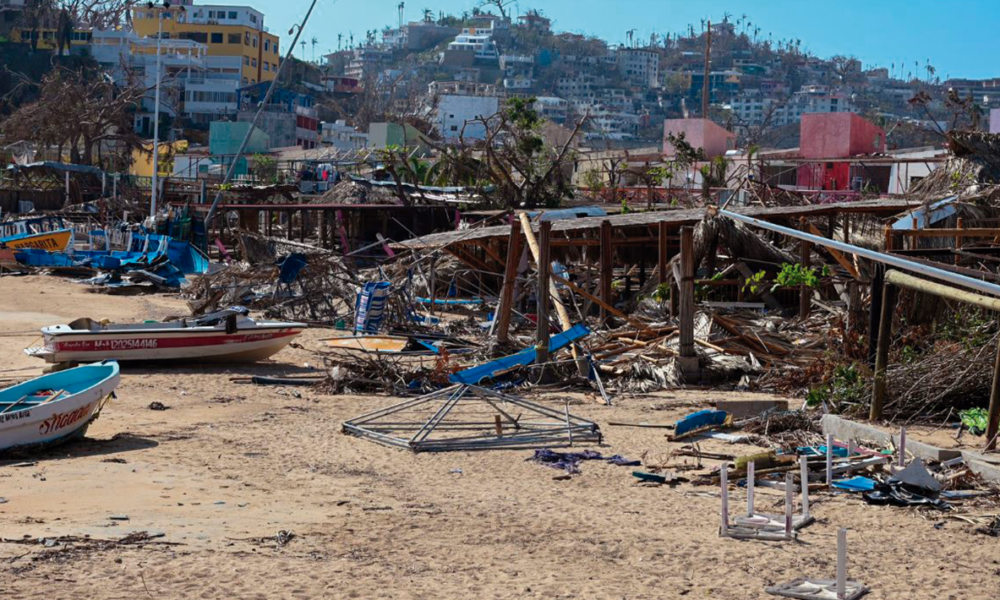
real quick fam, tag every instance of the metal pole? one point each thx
(156, 118)
(888, 259)
(256, 117)
(542, 294)
(993, 418)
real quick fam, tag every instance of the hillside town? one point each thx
(470, 305)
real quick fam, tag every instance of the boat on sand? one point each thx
(54, 408)
(224, 336)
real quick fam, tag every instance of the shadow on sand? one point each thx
(79, 448)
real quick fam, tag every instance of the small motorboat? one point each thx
(224, 336)
(54, 408)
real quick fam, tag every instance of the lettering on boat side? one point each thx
(125, 344)
(60, 420)
(14, 416)
(42, 244)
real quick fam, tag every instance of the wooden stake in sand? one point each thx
(788, 505)
(750, 482)
(842, 564)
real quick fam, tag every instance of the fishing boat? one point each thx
(224, 336)
(54, 408)
(40, 233)
(54, 241)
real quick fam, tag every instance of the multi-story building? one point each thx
(367, 61)
(552, 108)
(417, 35)
(289, 119)
(757, 109)
(458, 116)
(478, 41)
(182, 70)
(461, 88)
(343, 137)
(234, 35)
(640, 67)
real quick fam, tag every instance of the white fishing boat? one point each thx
(54, 408)
(224, 336)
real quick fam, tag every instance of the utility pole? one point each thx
(708, 69)
(156, 120)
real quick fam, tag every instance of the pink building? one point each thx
(832, 136)
(700, 133)
(839, 135)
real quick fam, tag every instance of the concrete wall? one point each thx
(714, 139)
(456, 112)
(839, 135)
(995, 120)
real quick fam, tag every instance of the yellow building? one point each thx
(235, 36)
(142, 160)
(47, 37)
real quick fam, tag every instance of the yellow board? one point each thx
(369, 343)
(54, 241)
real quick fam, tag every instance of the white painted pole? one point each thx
(829, 460)
(789, 503)
(902, 446)
(842, 564)
(850, 447)
(750, 482)
(724, 478)
(804, 476)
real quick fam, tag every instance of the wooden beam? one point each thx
(662, 242)
(611, 309)
(561, 311)
(509, 281)
(542, 291)
(882, 352)
(687, 293)
(607, 267)
(837, 255)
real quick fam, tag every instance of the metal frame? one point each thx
(544, 426)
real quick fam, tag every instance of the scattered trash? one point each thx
(158, 406)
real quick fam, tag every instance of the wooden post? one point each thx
(687, 293)
(302, 226)
(876, 310)
(958, 241)
(662, 264)
(607, 268)
(993, 419)
(805, 292)
(542, 293)
(288, 234)
(509, 281)
(882, 352)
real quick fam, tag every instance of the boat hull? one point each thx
(56, 422)
(54, 241)
(182, 346)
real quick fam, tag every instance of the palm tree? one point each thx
(340, 37)
(303, 43)
(314, 41)
(428, 15)
(629, 34)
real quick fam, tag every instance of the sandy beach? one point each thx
(230, 465)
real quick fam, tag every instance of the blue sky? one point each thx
(958, 36)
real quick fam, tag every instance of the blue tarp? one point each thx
(702, 418)
(449, 302)
(855, 484)
(474, 375)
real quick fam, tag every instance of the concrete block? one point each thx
(985, 465)
(743, 409)
(844, 429)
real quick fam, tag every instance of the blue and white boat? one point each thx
(55, 408)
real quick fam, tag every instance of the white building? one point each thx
(640, 67)
(456, 116)
(611, 125)
(342, 136)
(756, 109)
(479, 41)
(552, 108)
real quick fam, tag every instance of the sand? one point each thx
(229, 465)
